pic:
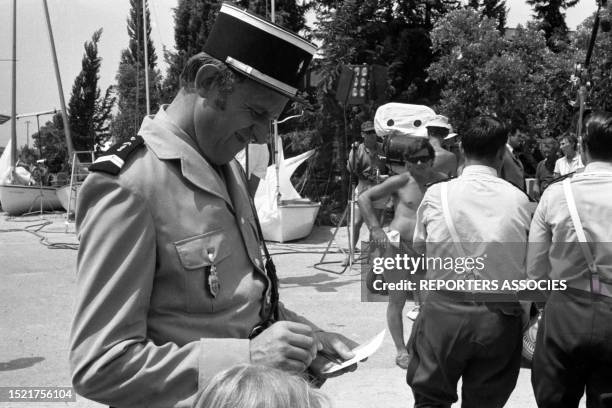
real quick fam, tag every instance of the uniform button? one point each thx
(258, 262)
(242, 220)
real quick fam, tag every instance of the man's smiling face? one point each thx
(222, 131)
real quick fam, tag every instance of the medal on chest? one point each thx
(213, 278)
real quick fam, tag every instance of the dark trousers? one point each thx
(574, 351)
(473, 341)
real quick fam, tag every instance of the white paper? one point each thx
(362, 351)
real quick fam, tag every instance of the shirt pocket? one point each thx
(199, 255)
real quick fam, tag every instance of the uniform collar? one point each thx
(598, 167)
(480, 170)
(168, 142)
(510, 148)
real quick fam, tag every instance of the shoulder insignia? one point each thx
(114, 158)
(439, 181)
(561, 178)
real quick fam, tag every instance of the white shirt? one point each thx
(553, 249)
(490, 215)
(564, 166)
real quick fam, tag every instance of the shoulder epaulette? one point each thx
(561, 178)
(439, 181)
(114, 159)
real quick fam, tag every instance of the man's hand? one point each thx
(287, 345)
(337, 346)
(378, 239)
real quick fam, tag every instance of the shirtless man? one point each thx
(445, 161)
(406, 187)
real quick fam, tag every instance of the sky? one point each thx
(74, 21)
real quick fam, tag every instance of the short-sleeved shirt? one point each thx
(564, 166)
(485, 209)
(553, 249)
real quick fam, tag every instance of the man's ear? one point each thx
(500, 153)
(205, 81)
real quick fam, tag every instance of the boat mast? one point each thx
(146, 54)
(59, 85)
(14, 92)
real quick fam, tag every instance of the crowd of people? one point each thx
(177, 299)
(485, 206)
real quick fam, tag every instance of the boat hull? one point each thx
(294, 220)
(63, 194)
(17, 200)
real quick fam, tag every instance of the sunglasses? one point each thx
(418, 159)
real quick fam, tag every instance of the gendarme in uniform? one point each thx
(574, 342)
(458, 333)
(171, 279)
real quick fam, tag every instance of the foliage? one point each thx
(51, 143)
(90, 112)
(131, 93)
(600, 80)
(494, 9)
(551, 19)
(384, 32)
(517, 79)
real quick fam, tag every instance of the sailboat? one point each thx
(16, 198)
(283, 214)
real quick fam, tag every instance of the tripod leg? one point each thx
(329, 244)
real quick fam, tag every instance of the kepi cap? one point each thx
(260, 49)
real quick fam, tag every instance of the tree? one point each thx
(495, 9)
(89, 112)
(51, 142)
(390, 33)
(551, 18)
(130, 87)
(519, 79)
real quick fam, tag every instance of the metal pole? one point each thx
(14, 91)
(146, 54)
(59, 84)
(273, 11)
(39, 136)
(28, 133)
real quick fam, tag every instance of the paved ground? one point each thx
(36, 302)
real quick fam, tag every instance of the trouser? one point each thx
(574, 351)
(475, 341)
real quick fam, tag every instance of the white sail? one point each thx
(294, 217)
(5, 164)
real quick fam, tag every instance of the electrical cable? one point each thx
(36, 230)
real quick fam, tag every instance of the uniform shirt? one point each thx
(564, 166)
(488, 212)
(147, 330)
(553, 249)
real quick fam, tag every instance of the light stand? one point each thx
(583, 71)
(349, 210)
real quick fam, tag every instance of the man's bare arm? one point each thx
(382, 190)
